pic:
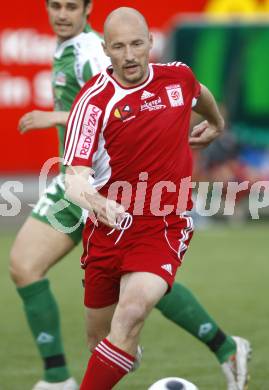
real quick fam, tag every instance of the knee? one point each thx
(22, 270)
(14, 264)
(131, 316)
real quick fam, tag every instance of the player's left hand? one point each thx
(203, 134)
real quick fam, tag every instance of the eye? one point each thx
(117, 46)
(55, 6)
(72, 7)
(138, 43)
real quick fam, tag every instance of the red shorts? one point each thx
(151, 244)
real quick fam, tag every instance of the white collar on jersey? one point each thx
(130, 89)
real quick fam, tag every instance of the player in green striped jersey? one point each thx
(38, 246)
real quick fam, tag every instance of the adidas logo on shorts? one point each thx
(168, 268)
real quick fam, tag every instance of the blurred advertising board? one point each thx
(26, 49)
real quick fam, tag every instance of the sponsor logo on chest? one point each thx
(175, 96)
(124, 112)
(153, 105)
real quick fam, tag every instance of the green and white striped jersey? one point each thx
(76, 60)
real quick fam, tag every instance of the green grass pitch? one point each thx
(226, 267)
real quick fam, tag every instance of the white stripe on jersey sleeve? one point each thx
(69, 127)
(74, 124)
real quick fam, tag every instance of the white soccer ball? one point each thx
(173, 384)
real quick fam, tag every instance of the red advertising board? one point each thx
(26, 48)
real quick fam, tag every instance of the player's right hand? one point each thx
(108, 211)
(36, 120)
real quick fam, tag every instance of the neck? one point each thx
(129, 84)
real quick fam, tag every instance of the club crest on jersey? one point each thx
(60, 79)
(153, 105)
(174, 93)
(89, 128)
(123, 112)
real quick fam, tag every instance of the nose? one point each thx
(62, 13)
(129, 55)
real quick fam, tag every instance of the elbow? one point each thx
(221, 125)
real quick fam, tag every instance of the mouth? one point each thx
(63, 25)
(131, 68)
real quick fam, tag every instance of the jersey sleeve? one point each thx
(82, 130)
(195, 86)
(196, 91)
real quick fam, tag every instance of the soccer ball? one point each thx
(173, 384)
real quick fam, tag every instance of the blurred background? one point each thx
(226, 43)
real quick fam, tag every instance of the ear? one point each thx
(105, 48)
(150, 40)
(88, 9)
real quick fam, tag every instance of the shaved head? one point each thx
(127, 43)
(124, 15)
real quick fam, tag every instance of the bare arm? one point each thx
(81, 192)
(205, 132)
(42, 120)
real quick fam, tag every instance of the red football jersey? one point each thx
(136, 139)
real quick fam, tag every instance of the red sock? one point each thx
(107, 365)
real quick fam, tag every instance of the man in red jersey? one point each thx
(129, 125)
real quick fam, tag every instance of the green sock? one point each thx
(181, 307)
(43, 318)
